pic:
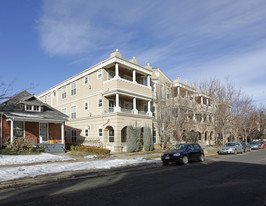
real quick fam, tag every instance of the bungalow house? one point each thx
(26, 116)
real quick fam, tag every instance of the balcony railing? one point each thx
(127, 111)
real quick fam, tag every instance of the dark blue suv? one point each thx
(183, 153)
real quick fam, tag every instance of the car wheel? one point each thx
(184, 160)
(201, 158)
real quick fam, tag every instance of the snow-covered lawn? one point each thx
(11, 173)
(28, 159)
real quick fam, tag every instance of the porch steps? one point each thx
(54, 148)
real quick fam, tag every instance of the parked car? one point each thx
(262, 144)
(255, 145)
(183, 153)
(246, 147)
(231, 148)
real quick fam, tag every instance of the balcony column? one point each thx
(207, 102)
(63, 133)
(134, 75)
(135, 111)
(149, 108)
(11, 131)
(201, 100)
(116, 71)
(148, 80)
(178, 91)
(117, 107)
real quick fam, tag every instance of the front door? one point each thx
(44, 132)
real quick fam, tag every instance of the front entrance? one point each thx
(44, 133)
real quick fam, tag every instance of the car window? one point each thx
(190, 147)
(196, 146)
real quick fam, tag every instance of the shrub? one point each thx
(147, 139)
(89, 150)
(133, 139)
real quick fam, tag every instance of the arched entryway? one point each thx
(110, 134)
(124, 135)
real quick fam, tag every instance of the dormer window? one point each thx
(34, 108)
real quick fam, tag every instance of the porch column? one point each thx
(117, 140)
(116, 70)
(134, 75)
(63, 133)
(11, 131)
(117, 108)
(135, 111)
(149, 108)
(148, 80)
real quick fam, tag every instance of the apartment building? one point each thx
(103, 100)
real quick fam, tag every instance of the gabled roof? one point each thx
(15, 108)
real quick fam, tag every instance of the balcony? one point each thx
(126, 86)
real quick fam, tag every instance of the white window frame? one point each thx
(98, 102)
(23, 129)
(73, 88)
(64, 92)
(73, 112)
(86, 79)
(99, 74)
(100, 134)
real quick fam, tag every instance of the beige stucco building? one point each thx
(103, 100)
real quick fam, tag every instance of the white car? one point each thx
(231, 148)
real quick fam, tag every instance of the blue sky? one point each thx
(45, 42)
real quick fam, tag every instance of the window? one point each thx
(86, 80)
(111, 135)
(100, 132)
(100, 102)
(73, 88)
(45, 98)
(111, 75)
(36, 108)
(54, 93)
(168, 93)
(63, 92)
(154, 134)
(99, 74)
(28, 108)
(86, 132)
(64, 110)
(73, 112)
(74, 136)
(86, 106)
(18, 129)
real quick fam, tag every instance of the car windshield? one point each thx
(229, 144)
(178, 147)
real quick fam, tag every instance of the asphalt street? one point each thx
(221, 180)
